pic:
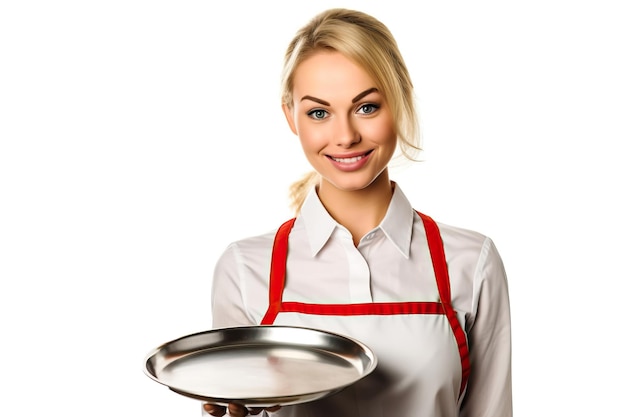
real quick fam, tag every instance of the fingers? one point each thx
(214, 410)
(255, 411)
(236, 410)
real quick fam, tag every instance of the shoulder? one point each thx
(470, 252)
(256, 245)
(241, 261)
(251, 246)
(469, 243)
(458, 238)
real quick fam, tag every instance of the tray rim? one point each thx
(262, 401)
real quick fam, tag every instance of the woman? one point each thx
(430, 299)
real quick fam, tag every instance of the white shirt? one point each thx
(391, 263)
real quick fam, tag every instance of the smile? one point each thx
(349, 160)
(352, 162)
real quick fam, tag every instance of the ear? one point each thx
(288, 111)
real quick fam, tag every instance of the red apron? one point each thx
(423, 357)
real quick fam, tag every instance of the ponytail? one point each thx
(299, 190)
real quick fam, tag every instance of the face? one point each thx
(344, 124)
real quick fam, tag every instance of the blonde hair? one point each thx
(368, 42)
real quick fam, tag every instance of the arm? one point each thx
(489, 392)
(229, 309)
(227, 294)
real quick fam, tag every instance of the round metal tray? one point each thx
(260, 366)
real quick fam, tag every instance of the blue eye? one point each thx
(317, 114)
(368, 108)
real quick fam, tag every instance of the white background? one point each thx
(139, 138)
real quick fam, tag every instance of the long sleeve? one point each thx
(228, 304)
(489, 391)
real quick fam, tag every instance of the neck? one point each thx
(360, 210)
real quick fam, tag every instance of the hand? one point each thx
(235, 410)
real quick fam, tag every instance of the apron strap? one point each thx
(278, 270)
(438, 256)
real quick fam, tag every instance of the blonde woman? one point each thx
(430, 299)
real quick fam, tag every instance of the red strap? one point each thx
(363, 309)
(278, 270)
(438, 256)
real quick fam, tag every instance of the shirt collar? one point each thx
(398, 222)
(318, 223)
(397, 225)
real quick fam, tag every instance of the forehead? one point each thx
(328, 74)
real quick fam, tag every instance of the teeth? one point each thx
(348, 160)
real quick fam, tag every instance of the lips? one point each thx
(350, 162)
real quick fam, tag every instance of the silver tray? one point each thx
(260, 366)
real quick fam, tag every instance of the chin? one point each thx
(356, 185)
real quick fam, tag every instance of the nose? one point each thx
(346, 132)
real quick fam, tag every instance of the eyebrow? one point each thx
(363, 94)
(354, 100)
(315, 99)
